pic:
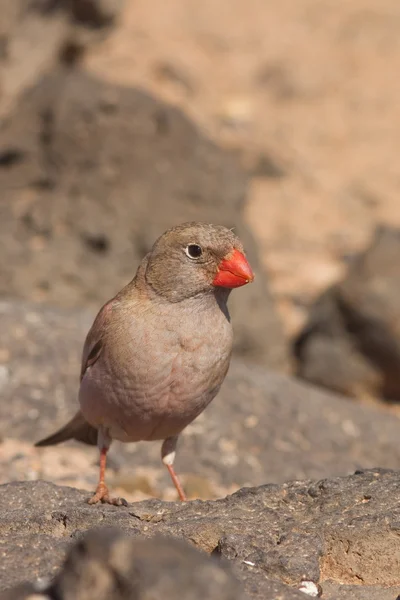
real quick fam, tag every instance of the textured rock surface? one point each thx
(97, 172)
(341, 531)
(352, 341)
(263, 427)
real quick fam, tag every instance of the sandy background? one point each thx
(308, 94)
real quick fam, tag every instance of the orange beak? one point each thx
(233, 271)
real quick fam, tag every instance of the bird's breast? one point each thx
(157, 379)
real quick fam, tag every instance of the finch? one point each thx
(158, 352)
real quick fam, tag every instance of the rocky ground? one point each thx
(119, 119)
(264, 428)
(330, 537)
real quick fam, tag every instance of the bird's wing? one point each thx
(94, 342)
(78, 428)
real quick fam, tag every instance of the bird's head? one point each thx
(196, 258)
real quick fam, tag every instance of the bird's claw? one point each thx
(102, 495)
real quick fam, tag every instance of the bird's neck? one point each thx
(210, 299)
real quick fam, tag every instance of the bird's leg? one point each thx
(102, 493)
(168, 457)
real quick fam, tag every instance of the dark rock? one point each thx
(340, 531)
(96, 173)
(328, 356)
(352, 341)
(262, 427)
(94, 13)
(106, 564)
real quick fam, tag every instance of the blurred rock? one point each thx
(106, 564)
(340, 531)
(36, 34)
(91, 174)
(351, 343)
(93, 13)
(262, 427)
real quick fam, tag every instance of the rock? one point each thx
(31, 35)
(328, 356)
(36, 34)
(107, 564)
(352, 341)
(357, 592)
(95, 172)
(25, 591)
(94, 13)
(330, 532)
(262, 427)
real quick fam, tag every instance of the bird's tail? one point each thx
(76, 429)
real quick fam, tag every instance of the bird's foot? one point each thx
(102, 495)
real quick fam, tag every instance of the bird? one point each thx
(158, 352)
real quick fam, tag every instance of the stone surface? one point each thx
(96, 173)
(343, 531)
(106, 564)
(352, 341)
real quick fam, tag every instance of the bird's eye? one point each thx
(193, 251)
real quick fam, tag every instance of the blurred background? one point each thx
(121, 118)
